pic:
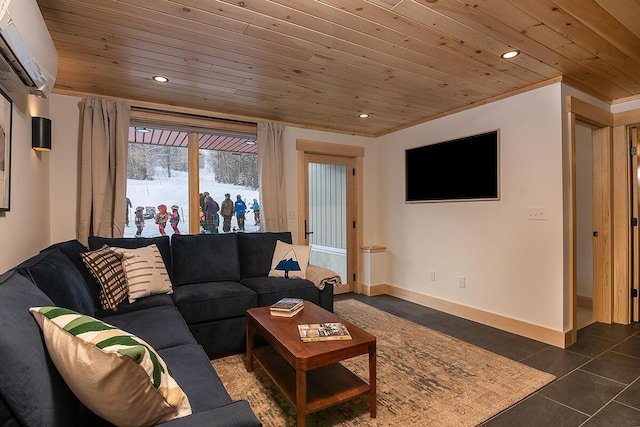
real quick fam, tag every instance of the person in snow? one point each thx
(227, 210)
(211, 209)
(139, 220)
(174, 219)
(255, 207)
(161, 218)
(240, 209)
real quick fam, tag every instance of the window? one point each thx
(158, 176)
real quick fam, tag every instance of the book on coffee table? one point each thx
(323, 332)
(287, 307)
(286, 313)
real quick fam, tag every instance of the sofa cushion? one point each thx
(203, 302)
(192, 369)
(256, 252)
(145, 272)
(162, 326)
(72, 250)
(117, 375)
(271, 289)
(106, 266)
(201, 258)
(31, 384)
(141, 304)
(290, 261)
(162, 242)
(57, 277)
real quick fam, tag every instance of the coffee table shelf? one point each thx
(310, 374)
(326, 386)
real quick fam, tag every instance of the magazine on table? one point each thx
(323, 332)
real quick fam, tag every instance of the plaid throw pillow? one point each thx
(106, 266)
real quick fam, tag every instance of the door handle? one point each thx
(306, 233)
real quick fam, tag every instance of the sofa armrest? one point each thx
(235, 414)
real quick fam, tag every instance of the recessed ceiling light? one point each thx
(250, 142)
(143, 130)
(363, 115)
(161, 79)
(510, 54)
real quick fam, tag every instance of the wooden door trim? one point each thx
(305, 148)
(602, 224)
(621, 222)
(583, 111)
(327, 149)
(633, 137)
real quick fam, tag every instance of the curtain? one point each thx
(103, 169)
(273, 206)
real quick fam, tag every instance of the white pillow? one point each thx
(115, 374)
(290, 261)
(145, 272)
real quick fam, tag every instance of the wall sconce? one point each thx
(40, 134)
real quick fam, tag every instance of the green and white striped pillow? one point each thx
(115, 374)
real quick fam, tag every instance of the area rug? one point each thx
(425, 378)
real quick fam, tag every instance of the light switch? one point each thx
(537, 213)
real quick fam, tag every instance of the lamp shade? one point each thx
(40, 134)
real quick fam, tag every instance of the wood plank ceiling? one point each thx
(320, 63)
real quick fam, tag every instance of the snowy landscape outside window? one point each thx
(158, 177)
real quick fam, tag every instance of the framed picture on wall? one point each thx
(5, 150)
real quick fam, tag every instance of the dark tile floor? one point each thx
(597, 379)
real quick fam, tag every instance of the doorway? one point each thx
(584, 224)
(634, 139)
(330, 208)
(329, 217)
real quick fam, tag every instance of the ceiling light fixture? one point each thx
(143, 130)
(161, 79)
(510, 54)
(250, 142)
(363, 115)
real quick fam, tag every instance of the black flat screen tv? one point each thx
(462, 169)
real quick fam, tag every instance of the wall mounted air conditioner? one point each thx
(28, 58)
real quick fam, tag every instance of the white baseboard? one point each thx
(515, 326)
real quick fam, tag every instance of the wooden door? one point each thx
(635, 234)
(602, 228)
(330, 215)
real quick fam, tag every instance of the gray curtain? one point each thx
(103, 170)
(273, 206)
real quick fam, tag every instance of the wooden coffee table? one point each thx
(308, 373)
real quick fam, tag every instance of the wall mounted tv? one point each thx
(462, 169)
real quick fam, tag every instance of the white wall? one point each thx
(24, 230)
(513, 266)
(371, 197)
(65, 166)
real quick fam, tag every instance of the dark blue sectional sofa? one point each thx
(215, 278)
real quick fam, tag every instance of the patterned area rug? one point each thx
(425, 378)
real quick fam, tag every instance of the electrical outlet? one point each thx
(291, 214)
(462, 282)
(432, 276)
